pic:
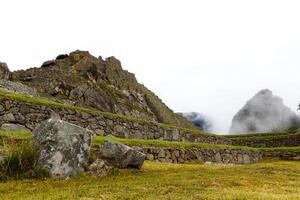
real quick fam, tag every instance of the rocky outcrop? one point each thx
(120, 155)
(63, 148)
(84, 80)
(30, 115)
(4, 71)
(265, 112)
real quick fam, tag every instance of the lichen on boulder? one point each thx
(63, 148)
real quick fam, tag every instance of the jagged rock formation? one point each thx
(84, 80)
(63, 148)
(4, 71)
(198, 120)
(265, 112)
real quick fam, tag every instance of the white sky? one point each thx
(204, 56)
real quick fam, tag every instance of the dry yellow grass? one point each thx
(261, 181)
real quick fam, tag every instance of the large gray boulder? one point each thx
(63, 148)
(121, 156)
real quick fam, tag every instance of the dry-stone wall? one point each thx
(182, 155)
(29, 115)
(290, 140)
(284, 155)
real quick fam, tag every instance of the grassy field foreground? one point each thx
(265, 180)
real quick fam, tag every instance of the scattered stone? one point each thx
(99, 168)
(297, 158)
(64, 148)
(14, 127)
(17, 87)
(9, 117)
(121, 156)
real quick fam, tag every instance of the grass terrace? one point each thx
(262, 135)
(98, 140)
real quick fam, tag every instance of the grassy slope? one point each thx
(98, 140)
(47, 102)
(267, 180)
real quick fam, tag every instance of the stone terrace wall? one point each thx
(284, 155)
(282, 141)
(216, 155)
(29, 115)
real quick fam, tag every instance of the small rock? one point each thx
(297, 158)
(13, 127)
(99, 132)
(99, 168)
(9, 117)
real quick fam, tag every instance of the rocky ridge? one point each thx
(81, 79)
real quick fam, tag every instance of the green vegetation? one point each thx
(267, 180)
(98, 140)
(21, 162)
(286, 149)
(7, 136)
(46, 102)
(15, 134)
(250, 135)
(263, 136)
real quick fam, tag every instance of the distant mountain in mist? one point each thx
(265, 112)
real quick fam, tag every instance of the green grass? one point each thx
(272, 180)
(254, 135)
(287, 149)
(98, 140)
(20, 162)
(46, 102)
(15, 134)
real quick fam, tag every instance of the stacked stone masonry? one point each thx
(214, 155)
(284, 155)
(29, 115)
(284, 141)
